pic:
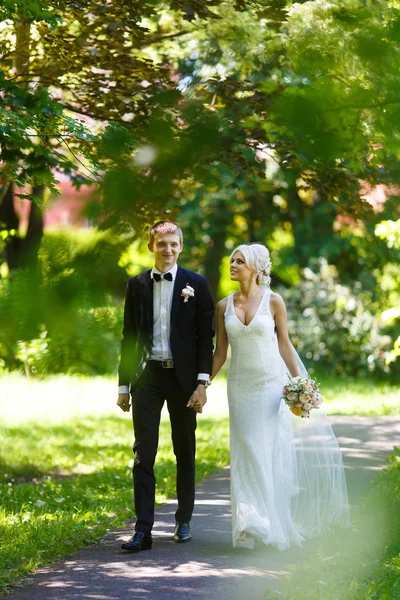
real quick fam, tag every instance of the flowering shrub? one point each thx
(335, 327)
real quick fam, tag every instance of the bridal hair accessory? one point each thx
(187, 292)
(265, 270)
(302, 395)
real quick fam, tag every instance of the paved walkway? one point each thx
(208, 567)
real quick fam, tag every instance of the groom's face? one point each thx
(166, 248)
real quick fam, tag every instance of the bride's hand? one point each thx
(198, 399)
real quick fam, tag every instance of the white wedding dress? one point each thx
(287, 476)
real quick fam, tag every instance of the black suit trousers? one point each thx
(155, 386)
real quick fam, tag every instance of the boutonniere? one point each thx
(187, 292)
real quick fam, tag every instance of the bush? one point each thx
(336, 327)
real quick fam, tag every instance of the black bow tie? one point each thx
(167, 276)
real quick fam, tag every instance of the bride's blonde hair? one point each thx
(256, 257)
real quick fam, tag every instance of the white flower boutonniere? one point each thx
(187, 292)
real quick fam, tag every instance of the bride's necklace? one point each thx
(240, 304)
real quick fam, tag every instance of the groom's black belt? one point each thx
(165, 364)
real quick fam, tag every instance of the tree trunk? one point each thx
(34, 232)
(258, 217)
(22, 50)
(9, 221)
(20, 252)
(312, 227)
(212, 262)
(216, 250)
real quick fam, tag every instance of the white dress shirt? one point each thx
(162, 301)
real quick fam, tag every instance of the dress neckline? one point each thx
(255, 314)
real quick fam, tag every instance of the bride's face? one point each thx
(239, 271)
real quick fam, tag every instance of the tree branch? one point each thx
(160, 38)
(98, 117)
(78, 159)
(348, 106)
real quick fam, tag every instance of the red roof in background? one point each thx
(61, 210)
(376, 196)
(67, 208)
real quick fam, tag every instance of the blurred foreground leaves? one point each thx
(359, 564)
(60, 317)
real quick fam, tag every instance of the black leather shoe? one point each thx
(139, 541)
(182, 533)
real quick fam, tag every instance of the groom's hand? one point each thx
(123, 402)
(198, 399)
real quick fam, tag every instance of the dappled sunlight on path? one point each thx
(365, 442)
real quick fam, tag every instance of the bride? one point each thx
(287, 476)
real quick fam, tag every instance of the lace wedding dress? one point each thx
(287, 476)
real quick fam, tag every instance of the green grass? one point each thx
(66, 459)
(343, 396)
(61, 397)
(66, 468)
(363, 396)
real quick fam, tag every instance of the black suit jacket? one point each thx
(191, 328)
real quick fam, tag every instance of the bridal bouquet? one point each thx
(302, 395)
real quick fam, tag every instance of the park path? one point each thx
(208, 567)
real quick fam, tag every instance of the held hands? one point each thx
(198, 399)
(124, 402)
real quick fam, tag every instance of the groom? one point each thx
(166, 354)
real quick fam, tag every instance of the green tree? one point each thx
(299, 84)
(63, 62)
(245, 120)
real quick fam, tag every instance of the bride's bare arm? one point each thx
(221, 349)
(278, 309)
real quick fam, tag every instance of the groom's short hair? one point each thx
(165, 227)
